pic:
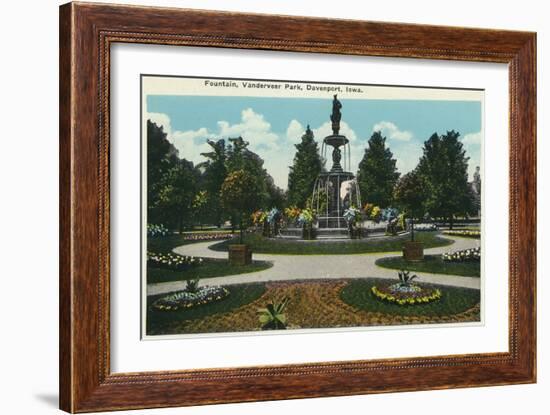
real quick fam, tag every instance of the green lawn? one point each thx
(239, 295)
(208, 269)
(163, 244)
(453, 300)
(433, 264)
(259, 244)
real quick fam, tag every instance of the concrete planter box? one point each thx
(413, 251)
(240, 254)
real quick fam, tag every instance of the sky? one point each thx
(273, 126)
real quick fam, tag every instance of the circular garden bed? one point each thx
(410, 294)
(187, 299)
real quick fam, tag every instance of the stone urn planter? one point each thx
(240, 254)
(413, 251)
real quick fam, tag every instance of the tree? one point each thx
(305, 169)
(444, 171)
(410, 197)
(239, 196)
(240, 157)
(176, 193)
(377, 173)
(215, 172)
(161, 157)
(200, 203)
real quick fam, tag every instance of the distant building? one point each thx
(475, 185)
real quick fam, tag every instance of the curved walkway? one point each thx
(301, 267)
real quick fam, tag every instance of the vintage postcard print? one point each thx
(291, 205)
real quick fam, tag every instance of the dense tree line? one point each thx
(180, 194)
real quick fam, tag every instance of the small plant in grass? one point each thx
(272, 317)
(405, 278)
(192, 286)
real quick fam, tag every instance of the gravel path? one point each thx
(289, 267)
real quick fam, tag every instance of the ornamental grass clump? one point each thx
(172, 262)
(272, 317)
(406, 292)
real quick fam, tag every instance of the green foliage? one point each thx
(433, 264)
(443, 169)
(215, 172)
(405, 278)
(176, 192)
(272, 317)
(358, 293)
(239, 195)
(409, 195)
(306, 167)
(177, 322)
(377, 173)
(192, 286)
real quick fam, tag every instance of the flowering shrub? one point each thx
(156, 230)
(472, 254)
(171, 261)
(259, 217)
(292, 213)
(273, 215)
(187, 299)
(376, 213)
(307, 216)
(368, 209)
(464, 232)
(210, 236)
(352, 215)
(425, 227)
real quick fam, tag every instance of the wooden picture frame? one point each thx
(87, 32)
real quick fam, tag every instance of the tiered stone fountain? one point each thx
(336, 190)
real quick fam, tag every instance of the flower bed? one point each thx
(464, 233)
(210, 236)
(185, 299)
(411, 294)
(425, 227)
(472, 254)
(156, 230)
(171, 261)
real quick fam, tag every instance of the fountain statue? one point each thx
(336, 190)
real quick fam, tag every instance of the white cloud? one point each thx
(326, 129)
(161, 119)
(472, 139)
(472, 145)
(294, 131)
(391, 131)
(253, 128)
